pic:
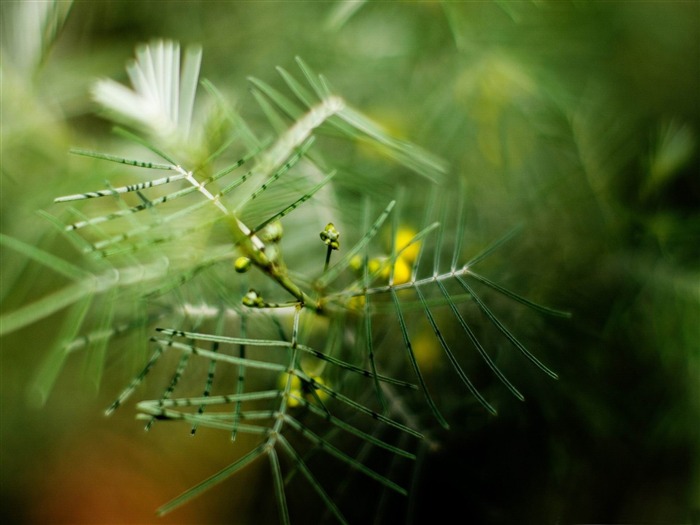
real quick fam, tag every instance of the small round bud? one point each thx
(242, 264)
(272, 232)
(252, 299)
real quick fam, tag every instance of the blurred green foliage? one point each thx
(580, 120)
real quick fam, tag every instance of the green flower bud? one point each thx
(242, 264)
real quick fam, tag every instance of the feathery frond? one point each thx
(161, 239)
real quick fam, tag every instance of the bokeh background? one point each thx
(579, 120)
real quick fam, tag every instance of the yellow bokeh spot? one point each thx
(356, 264)
(402, 271)
(426, 349)
(403, 238)
(356, 303)
(380, 266)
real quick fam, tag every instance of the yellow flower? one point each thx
(381, 266)
(403, 238)
(303, 390)
(402, 271)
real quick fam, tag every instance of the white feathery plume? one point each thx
(162, 98)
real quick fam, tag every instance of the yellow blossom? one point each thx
(403, 238)
(302, 389)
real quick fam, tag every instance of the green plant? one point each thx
(578, 120)
(215, 245)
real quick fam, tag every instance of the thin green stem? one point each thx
(328, 258)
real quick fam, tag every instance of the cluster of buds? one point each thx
(330, 236)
